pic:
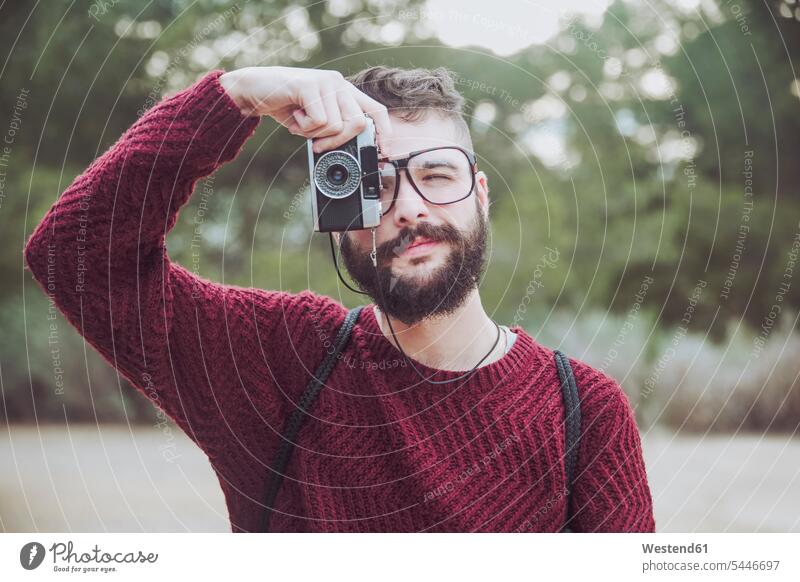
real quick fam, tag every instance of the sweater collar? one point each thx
(525, 356)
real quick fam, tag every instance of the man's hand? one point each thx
(313, 103)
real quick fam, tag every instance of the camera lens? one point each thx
(337, 174)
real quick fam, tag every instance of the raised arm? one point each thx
(100, 249)
(196, 348)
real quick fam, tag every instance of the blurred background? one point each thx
(645, 185)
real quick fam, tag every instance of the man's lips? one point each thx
(420, 246)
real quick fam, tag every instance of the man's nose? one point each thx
(409, 206)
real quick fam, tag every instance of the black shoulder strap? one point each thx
(572, 428)
(299, 414)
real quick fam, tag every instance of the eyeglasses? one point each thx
(441, 175)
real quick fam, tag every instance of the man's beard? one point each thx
(412, 298)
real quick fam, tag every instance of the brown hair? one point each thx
(412, 93)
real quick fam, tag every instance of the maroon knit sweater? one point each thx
(384, 451)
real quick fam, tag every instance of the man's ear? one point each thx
(482, 191)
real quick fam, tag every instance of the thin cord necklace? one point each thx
(468, 373)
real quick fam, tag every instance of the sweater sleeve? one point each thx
(611, 492)
(100, 254)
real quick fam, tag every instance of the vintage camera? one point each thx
(345, 185)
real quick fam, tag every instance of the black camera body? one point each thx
(345, 184)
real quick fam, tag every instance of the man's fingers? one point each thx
(314, 115)
(293, 127)
(302, 121)
(353, 119)
(334, 124)
(349, 107)
(286, 117)
(332, 113)
(331, 103)
(377, 112)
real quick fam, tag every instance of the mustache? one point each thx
(407, 236)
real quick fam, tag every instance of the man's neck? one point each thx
(457, 341)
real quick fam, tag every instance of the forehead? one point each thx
(431, 130)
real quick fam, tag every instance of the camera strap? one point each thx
(299, 414)
(374, 253)
(572, 426)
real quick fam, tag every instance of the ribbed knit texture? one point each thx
(383, 451)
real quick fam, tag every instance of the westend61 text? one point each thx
(671, 549)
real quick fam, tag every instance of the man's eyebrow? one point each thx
(428, 164)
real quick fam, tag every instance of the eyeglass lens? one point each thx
(442, 176)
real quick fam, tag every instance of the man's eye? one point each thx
(438, 176)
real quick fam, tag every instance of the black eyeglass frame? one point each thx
(402, 163)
